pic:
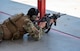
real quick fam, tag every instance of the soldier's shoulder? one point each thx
(20, 14)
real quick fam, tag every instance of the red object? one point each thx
(42, 7)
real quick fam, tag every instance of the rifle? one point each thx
(47, 18)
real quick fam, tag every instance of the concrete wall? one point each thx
(71, 7)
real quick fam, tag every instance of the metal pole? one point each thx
(42, 7)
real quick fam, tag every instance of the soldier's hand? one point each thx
(52, 20)
(42, 24)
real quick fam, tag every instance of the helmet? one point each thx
(33, 12)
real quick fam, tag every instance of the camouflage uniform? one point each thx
(33, 29)
(1, 33)
(22, 26)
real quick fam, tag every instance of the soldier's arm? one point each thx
(35, 32)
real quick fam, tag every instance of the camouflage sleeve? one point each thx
(35, 32)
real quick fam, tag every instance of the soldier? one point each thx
(16, 26)
(35, 30)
